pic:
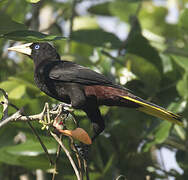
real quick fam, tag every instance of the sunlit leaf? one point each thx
(182, 86)
(17, 92)
(181, 61)
(123, 9)
(1, 111)
(33, 1)
(183, 20)
(85, 23)
(153, 18)
(8, 85)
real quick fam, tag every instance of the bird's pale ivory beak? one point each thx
(24, 48)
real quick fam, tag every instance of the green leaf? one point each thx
(145, 71)
(153, 18)
(123, 9)
(24, 82)
(120, 8)
(96, 37)
(33, 1)
(27, 161)
(1, 111)
(16, 88)
(100, 9)
(182, 86)
(17, 92)
(180, 132)
(182, 23)
(109, 166)
(181, 61)
(31, 36)
(8, 25)
(29, 154)
(7, 140)
(8, 85)
(85, 23)
(137, 44)
(160, 133)
(31, 148)
(2, 2)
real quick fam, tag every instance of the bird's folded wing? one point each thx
(71, 72)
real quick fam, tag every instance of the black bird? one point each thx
(83, 88)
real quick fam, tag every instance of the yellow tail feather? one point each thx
(155, 110)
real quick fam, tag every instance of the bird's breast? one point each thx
(51, 88)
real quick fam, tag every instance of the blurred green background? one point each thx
(139, 44)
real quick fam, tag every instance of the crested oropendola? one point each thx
(82, 87)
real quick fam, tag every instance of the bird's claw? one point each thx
(66, 108)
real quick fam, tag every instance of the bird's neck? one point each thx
(43, 62)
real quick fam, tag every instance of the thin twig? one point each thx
(138, 9)
(72, 18)
(176, 51)
(167, 173)
(67, 153)
(15, 116)
(18, 116)
(78, 158)
(68, 47)
(86, 169)
(112, 57)
(42, 144)
(57, 158)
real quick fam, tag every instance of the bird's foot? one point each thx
(61, 112)
(83, 151)
(63, 107)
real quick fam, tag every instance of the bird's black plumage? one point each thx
(83, 88)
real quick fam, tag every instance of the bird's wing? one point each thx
(71, 72)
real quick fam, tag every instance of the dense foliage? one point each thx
(153, 58)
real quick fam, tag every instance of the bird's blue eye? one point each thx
(37, 46)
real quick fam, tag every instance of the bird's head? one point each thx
(37, 51)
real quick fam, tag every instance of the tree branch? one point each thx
(67, 153)
(44, 117)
